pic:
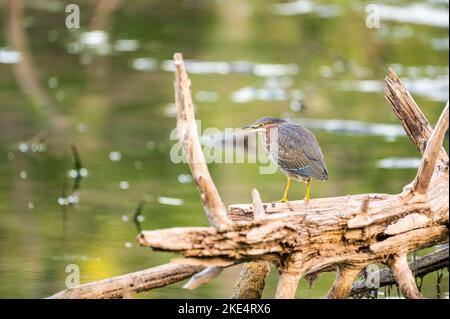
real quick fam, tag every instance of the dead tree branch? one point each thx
(352, 230)
(123, 286)
(413, 120)
(342, 286)
(348, 231)
(203, 277)
(251, 282)
(426, 169)
(187, 134)
(420, 268)
(403, 276)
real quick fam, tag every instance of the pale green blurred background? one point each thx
(108, 88)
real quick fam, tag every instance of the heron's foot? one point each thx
(284, 201)
(291, 208)
(307, 202)
(278, 202)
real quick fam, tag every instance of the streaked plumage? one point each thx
(299, 154)
(294, 149)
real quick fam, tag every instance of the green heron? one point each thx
(294, 149)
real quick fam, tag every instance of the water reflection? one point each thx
(126, 45)
(170, 201)
(145, 64)
(430, 13)
(238, 67)
(115, 156)
(396, 163)
(435, 89)
(306, 6)
(8, 56)
(354, 127)
(417, 13)
(271, 89)
(97, 41)
(184, 178)
(124, 185)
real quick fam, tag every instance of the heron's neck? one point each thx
(267, 135)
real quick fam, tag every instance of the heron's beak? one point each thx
(249, 128)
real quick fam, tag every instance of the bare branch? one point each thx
(434, 145)
(345, 276)
(203, 277)
(414, 122)
(404, 277)
(365, 205)
(420, 267)
(258, 208)
(407, 223)
(291, 272)
(343, 230)
(250, 284)
(411, 240)
(187, 133)
(122, 286)
(251, 280)
(287, 285)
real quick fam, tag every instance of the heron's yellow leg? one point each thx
(286, 190)
(308, 190)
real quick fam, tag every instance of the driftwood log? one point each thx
(346, 232)
(420, 267)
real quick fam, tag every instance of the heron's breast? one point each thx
(268, 147)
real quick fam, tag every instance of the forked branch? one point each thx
(349, 231)
(434, 145)
(187, 134)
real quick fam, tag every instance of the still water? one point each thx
(107, 88)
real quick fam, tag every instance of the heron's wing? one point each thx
(299, 152)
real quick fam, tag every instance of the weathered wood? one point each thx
(187, 134)
(351, 230)
(409, 222)
(251, 282)
(345, 276)
(120, 286)
(292, 268)
(124, 285)
(421, 267)
(413, 120)
(203, 277)
(307, 232)
(258, 208)
(434, 145)
(287, 285)
(403, 276)
(354, 230)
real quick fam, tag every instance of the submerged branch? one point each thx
(123, 286)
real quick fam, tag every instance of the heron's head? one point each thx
(264, 123)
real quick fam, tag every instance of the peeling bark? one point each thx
(404, 277)
(122, 286)
(251, 280)
(342, 286)
(187, 133)
(421, 267)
